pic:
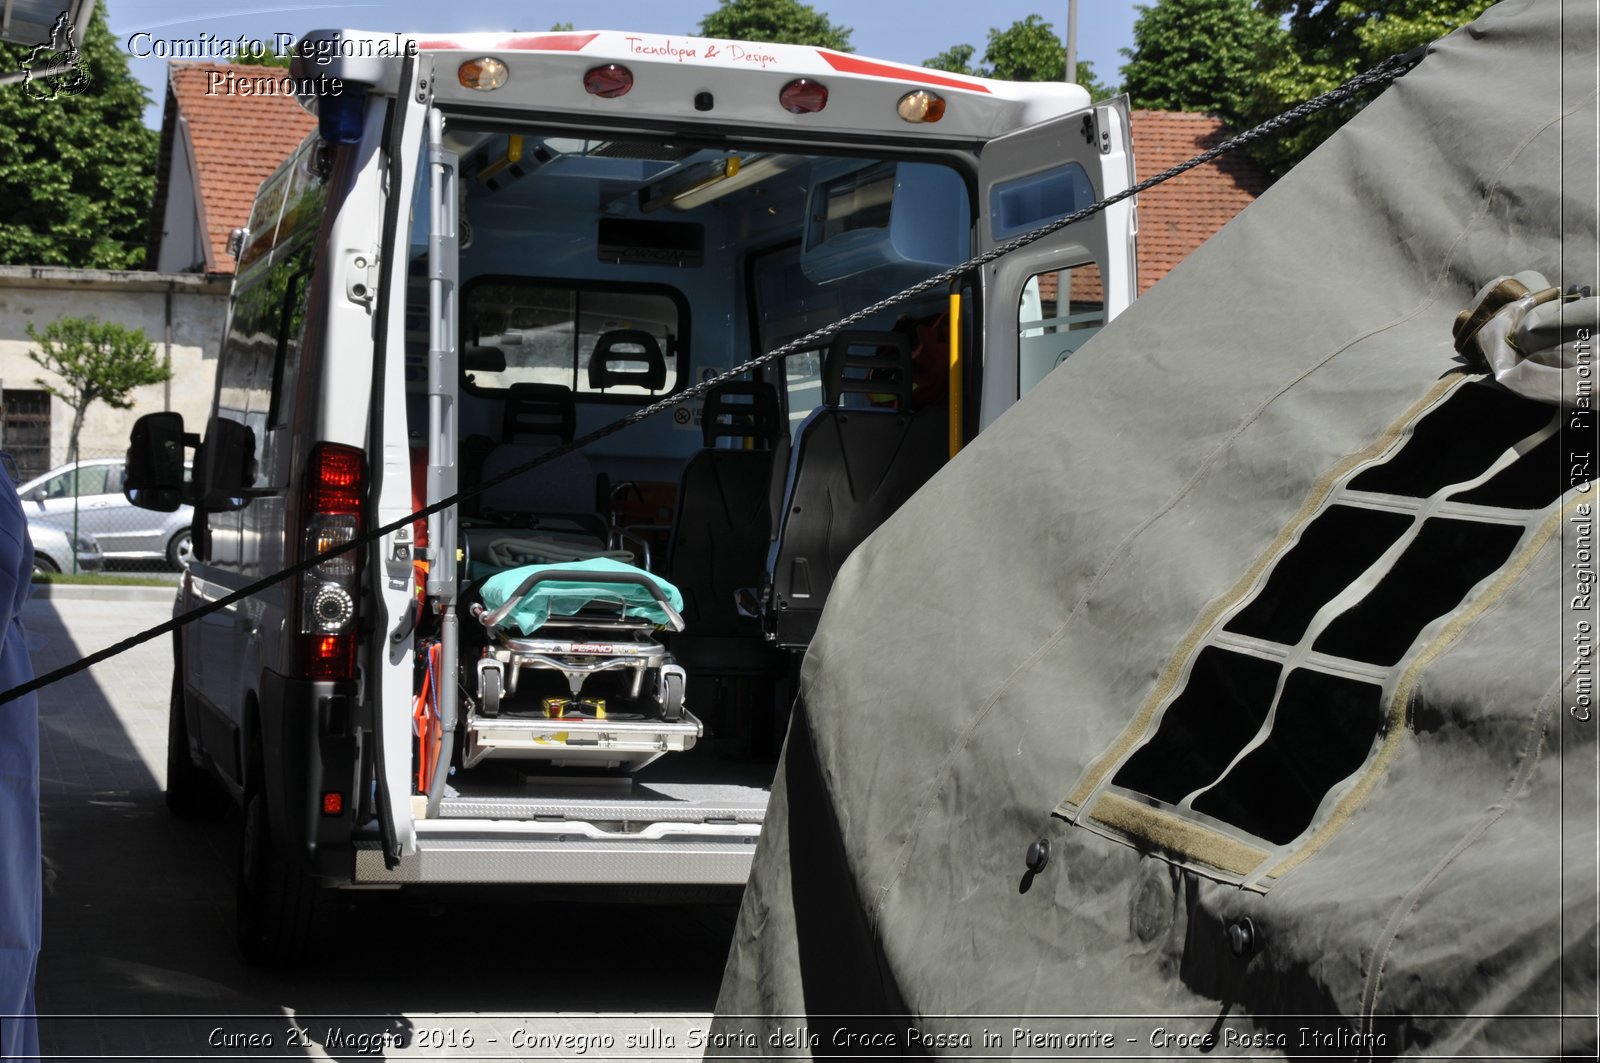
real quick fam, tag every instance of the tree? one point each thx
(1201, 55)
(775, 22)
(264, 57)
(77, 171)
(97, 361)
(1330, 41)
(1028, 50)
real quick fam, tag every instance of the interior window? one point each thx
(547, 332)
(802, 386)
(1050, 328)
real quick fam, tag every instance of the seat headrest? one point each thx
(622, 346)
(724, 415)
(868, 363)
(544, 411)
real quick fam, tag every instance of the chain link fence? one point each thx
(80, 521)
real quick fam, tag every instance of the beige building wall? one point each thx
(181, 313)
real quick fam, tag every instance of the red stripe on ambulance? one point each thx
(851, 64)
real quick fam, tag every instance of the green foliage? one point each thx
(97, 361)
(775, 22)
(561, 27)
(1028, 50)
(265, 57)
(956, 60)
(1329, 41)
(77, 172)
(1201, 55)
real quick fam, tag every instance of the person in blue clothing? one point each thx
(21, 892)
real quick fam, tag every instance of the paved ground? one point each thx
(139, 961)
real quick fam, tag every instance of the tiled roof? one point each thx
(239, 138)
(1179, 215)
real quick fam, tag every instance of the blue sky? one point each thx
(900, 31)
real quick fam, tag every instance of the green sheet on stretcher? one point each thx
(565, 598)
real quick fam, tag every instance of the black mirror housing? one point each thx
(154, 477)
(227, 465)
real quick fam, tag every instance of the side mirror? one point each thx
(36, 495)
(226, 465)
(154, 476)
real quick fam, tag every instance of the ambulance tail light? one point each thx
(609, 81)
(335, 486)
(803, 96)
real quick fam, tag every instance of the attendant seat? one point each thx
(538, 418)
(722, 528)
(855, 461)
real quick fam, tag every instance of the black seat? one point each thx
(722, 527)
(537, 418)
(856, 460)
(621, 347)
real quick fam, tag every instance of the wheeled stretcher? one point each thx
(572, 674)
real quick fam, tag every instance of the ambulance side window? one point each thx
(1050, 328)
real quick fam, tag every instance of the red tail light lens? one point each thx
(332, 803)
(803, 96)
(337, 479)
(609, 81)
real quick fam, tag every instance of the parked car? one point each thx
(123, 531)
(52, 549)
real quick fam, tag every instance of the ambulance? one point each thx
(491, 246)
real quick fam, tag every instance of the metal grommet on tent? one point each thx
(1242, 937)
(1038, 855)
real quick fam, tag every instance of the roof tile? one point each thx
(239, 138)
(1180, 214)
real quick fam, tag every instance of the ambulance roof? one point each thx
(689, 80)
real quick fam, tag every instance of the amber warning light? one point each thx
(921, 106)
(484, 74)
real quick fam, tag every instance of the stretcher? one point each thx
(572, 674)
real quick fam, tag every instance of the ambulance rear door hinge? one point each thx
(360, 276)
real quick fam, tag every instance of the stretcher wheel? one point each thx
(672, 697)
(489, 693)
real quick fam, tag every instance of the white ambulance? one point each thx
(493, 245)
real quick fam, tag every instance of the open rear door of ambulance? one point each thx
(1044, 301)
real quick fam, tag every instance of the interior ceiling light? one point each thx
(485, 75)
(803, 96)
(609, 81)
(750, 171)
(921, 106)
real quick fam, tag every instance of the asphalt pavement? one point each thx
(139, 961)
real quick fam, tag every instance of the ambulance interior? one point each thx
(598, 275)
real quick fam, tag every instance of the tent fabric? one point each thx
(568, 597)
(1440, 894)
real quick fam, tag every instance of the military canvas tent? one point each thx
(1269, 614)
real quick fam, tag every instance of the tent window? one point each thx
(1221, 708)
(1456, 442)
(1325, 726)
(1050, 329)
(1332, 550)
(1443, 563)
(1283, 701)
(1533, 481)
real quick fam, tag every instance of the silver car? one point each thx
(52, 550)
(123, 531)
